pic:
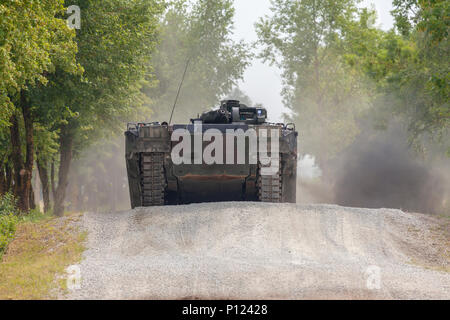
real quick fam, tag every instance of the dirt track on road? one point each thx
(264, 251)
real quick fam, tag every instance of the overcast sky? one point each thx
(262, 83)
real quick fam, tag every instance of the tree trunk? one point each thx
(32, 203)
(76, 192)
(19, 170)
(52, 180)
(43, 176)
(8, 175)
(29, 160)
(66, 144)
(3, 188)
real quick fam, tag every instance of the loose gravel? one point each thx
(260, 251)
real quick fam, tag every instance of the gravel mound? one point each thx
(255, 251)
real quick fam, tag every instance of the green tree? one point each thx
(115, 43)
(423, 84)
(34, 41)
(199, 32)
(46, 148)
(5, 161)
(316, 45)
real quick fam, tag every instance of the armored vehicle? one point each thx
(220, 161)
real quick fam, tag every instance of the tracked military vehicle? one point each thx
(238, 171)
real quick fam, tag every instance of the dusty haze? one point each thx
(378, 170)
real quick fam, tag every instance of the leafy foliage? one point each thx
(313, 43)
(198, 32)
(339, 69)
(32, 41)
(115, 44)
(7, 229)
(127, 60)
(8, 204)
(424, 83)
(8, 220)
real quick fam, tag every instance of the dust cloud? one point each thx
(98, 178)
(380, 170)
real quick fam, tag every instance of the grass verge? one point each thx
(42, 248)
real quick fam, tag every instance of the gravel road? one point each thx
(263, 251)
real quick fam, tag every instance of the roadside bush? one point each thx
(8, 204)
(8, 221)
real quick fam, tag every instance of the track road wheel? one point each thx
(269, 186)
(153, 182)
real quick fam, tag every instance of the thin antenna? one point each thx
(179, 89)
